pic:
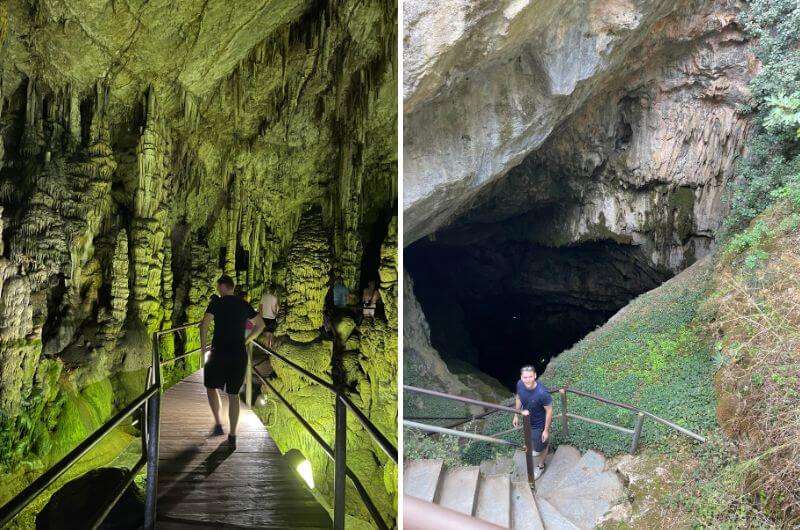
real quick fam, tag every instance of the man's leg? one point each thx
(213, 401)
(540, 460)
(268, 336)
(233, 412)
(539, 452)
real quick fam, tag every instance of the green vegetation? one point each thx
(654, 356)
(771, 171)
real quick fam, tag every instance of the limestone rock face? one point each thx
(615, 104)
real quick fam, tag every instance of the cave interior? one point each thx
(497, 303)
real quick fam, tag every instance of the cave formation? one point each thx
(147, 148)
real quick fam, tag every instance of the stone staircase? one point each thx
(574, 492)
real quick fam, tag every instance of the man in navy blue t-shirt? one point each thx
(534, 398)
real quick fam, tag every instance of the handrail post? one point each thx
(564, 426)
(340, 451)
(526, 423)
(248, 382)
(153, 421)
(637, 432)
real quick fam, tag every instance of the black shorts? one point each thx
(225, 373)
(271, 325)
(536, 443)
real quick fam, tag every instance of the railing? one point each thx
(149, 402)
(526, 426)
(338, 453)
(563, 416)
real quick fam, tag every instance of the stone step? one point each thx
(590, 463)
(458, 489)
(494, 500)
(421, 478)
(554, 519)
(524, 511)
(585, 503)
(559, 466)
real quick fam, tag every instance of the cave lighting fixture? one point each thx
(304, 469)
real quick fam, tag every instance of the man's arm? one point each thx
(517, 405)
(258, 327)
(548, 409)
(204, 324)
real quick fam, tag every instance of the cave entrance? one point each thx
(497, 304)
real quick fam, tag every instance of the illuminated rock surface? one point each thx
(147, 147)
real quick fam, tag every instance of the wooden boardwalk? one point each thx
(203, 484)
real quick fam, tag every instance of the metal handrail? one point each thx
(461, 434)
(343, 403)
(372, 430)
(635, 433)
(373, 510)
(452, 397)
(165, 362)
(526, 426)
(297, 367)
(13, 507)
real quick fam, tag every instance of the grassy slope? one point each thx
(748, 475)
(652, 354)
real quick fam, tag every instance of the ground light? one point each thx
(304, 469)
(300, 463)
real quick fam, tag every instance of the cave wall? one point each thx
(633, 94)
(142, 155)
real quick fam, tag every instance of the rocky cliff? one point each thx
(608, 109)
(147, 147)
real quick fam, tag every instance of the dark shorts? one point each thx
(225, 373)
(536, 442)
(271, 325)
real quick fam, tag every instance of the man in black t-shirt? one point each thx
(227, 364)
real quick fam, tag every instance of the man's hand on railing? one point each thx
(515, 420)
(545, 435)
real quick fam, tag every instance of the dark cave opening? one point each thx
(499, 304)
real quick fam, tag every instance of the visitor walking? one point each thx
(227, 363)
(369, 300)
(534, 400)
(269, 308)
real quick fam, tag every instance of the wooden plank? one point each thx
(203, 484)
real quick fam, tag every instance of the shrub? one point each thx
(771, 169)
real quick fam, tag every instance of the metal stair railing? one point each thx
(149, 402)
(338, 453)
(635, 433)
(563, 416)
(526, 426)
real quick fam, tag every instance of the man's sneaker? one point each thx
(537, 472)
(232, 441)
(217, 431)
